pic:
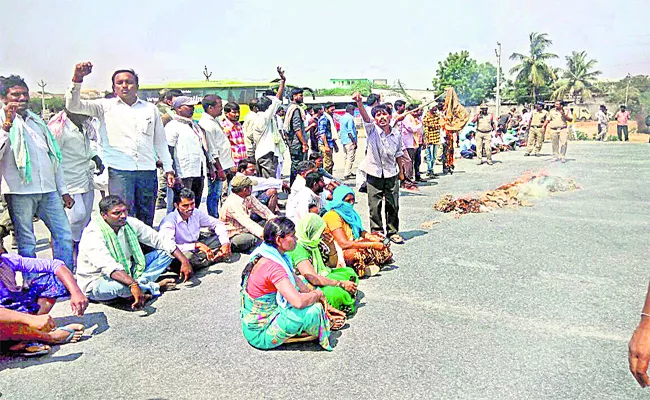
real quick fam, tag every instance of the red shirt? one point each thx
(265, 275)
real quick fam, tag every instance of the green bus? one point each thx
(239, 92)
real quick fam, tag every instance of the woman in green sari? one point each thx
(338, 284)
(277, 307)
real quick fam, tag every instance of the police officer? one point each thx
(535, 133)
(557, 123)
(484, 126)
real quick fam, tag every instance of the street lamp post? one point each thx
(42, 85)
(498, 99)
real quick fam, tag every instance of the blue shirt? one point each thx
(324, 128)
(347, 129)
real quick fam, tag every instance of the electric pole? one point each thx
(42, 85)
(627, 89)
(498, 99)
(206, 73)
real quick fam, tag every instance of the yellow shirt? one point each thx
(538, 118)
(334, 221)
(557, 119)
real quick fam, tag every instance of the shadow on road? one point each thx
(22, 362)
(408, 235)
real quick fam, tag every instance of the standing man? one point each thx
(384, 146)
(219, 152)
(484, 128)
(557, 122)
(187, 143)
(622, 117)
(537, 121)
(72, 135)
(603, 122)
(32, 175)
(431, 138)
(348, 134)
(263, 140)
(412, 137)
(312, 127)
(132, 139)
(249, 120)
(523, 126)
(371, 101)
(294, 127)
(234, 132)
(326, 138)
(166, 114)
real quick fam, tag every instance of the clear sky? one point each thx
(313, 40)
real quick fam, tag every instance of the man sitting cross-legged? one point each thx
(236, 211)
(44, 281)
(184, 225)
(111, 263)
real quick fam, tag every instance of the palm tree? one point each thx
(533, 68)
(579, 78)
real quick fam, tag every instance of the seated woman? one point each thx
(276, 306)
(363, 251)
(339, 284)
(36, 296)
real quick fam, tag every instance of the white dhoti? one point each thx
(79, 214)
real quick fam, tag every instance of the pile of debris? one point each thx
(512, 194)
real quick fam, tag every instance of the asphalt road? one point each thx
(534, 303)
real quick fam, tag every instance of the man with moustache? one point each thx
(32, 175)
(132, 139)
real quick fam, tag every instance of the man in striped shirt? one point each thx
(384, 144)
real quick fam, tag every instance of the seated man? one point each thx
(266, 189)
(37, 296)
(111, 263)
(468, 146)
(308, 199)
(184, 225)
(244, 233)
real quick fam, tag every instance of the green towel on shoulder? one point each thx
(21, 152)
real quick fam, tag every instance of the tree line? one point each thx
(534, 79)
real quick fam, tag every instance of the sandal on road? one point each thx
(29, 349)
(396, 238)
(72, 329)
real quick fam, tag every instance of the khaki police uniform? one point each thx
(536, 134)
(484, 137)
(557, 127)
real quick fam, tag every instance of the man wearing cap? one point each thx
(535, 139)
(132, 139)
(295, 129)
(188, 145)
(219, 151)
(235, 212)
(484, 127)
(557, 123)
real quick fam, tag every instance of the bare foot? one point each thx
(167, 284)
(59, 335)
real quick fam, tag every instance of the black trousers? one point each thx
(267, 165)
(386, 191)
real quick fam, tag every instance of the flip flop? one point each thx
(29, 349)
(70, 336)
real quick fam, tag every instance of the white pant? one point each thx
(79, 214)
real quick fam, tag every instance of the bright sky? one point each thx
(313, 40)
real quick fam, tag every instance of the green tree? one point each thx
(578, 79)
(473, 82)
(533, 67)
(638, 92)
(361, 87)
